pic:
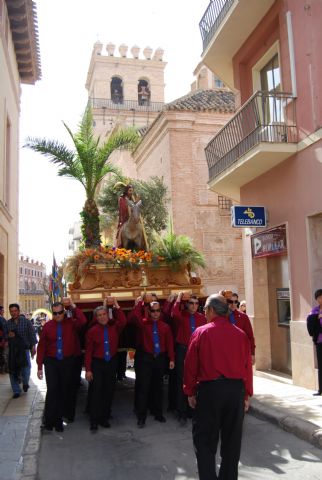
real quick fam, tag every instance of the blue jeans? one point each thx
(25, 374)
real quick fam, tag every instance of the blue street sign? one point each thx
(247, 216)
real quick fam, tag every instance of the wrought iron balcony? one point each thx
(264, 118)
(225, 27)
(120, 104)
(212, 19)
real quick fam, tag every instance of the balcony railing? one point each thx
(265, 117)
(121, 104)
(213, 17)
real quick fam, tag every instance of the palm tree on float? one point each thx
(88, 163)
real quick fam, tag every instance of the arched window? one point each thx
(117, 90)
(143, 92)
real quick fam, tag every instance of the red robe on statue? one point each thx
(123, 217)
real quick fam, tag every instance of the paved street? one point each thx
(165, 451)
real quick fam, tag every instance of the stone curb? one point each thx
(28, 465)
(281, 417)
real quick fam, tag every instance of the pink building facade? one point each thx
(270, 154)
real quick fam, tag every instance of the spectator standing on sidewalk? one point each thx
(241, 320)
(56, 350)
(2, 341)
(19, 328)
(218, 381)
(314, 326)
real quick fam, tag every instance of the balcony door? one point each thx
(270, 81)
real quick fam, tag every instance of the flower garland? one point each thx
(111, 257)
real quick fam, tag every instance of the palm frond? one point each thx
(123, 139)
(177, 250)
(57, 152)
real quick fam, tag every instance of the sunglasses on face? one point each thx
(193, 303)
(155, 310)
(230, 302)
(58, 313)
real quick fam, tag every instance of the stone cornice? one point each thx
(24, 30)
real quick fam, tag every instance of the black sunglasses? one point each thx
(232, 301)
(193, 303)
(155, 310)
(58, 313)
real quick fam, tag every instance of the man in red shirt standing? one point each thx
(155, 346)
(102, 341)
(241, 320)
(56, 350)
(218, 381)
(185, 320)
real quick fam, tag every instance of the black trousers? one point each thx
(172, 390)
(219, 411)
(181, 398)
(77, 371)
(60, 392)
(103, 386)
(149, 383)
(319, 359)
(150, 401)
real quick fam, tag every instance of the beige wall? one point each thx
(174, 150)
(130, 70)
(9, 113)
(103, 67)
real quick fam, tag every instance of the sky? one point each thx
(49, 205)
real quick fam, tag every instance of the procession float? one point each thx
(142, 255)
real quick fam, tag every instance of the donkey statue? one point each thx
(132, 237)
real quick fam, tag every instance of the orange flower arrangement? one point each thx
(111, 257)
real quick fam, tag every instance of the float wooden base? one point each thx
(127, 284)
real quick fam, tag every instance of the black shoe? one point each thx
(25, 388)
(16, 395)
(317, 394)
(105, 424)
(93, 427)
(59, 427)
(141, 423)
(160, 418)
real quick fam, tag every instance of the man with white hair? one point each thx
(218, 381)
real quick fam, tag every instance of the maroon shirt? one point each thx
(181, 320)
(95, 338)
(218, 349)
(47, 346)
(139, 312)
(243, 322)
(145, 334)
